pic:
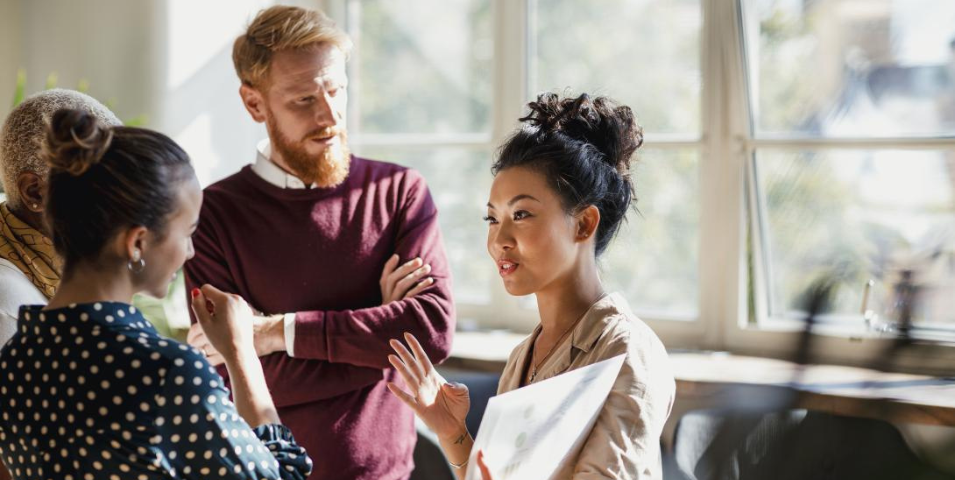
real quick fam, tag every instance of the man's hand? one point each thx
(398, 283)
(268, 337)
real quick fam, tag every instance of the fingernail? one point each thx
(418, 261)
(195, 292)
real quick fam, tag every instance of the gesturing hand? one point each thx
(226, 321)
(398, 283)
(442, 406)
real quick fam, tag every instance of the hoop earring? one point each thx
(136, 267)
(136, 264)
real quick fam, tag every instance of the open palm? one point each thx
(440, 405)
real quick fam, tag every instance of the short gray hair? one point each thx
(25, 128)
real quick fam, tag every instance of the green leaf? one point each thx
(137, 121)
(51, 80)
(20, 92)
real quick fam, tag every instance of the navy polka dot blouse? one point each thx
(92, 391)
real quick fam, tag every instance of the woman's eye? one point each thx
(491, 220)
(308, 99)
(521, 214)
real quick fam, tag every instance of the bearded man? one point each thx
(341, 253)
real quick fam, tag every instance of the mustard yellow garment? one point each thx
(30, 251)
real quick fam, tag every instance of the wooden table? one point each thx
(722, 379)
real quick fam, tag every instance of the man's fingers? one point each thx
(405, 269)
(406, 282)
(408, 359)
(390, 266)
(419, 353)
(419, 287)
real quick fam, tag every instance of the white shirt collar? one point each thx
(272, 173)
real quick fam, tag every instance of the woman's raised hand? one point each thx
(442, 406)
(226, 322)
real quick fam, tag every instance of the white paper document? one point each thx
(528, 433)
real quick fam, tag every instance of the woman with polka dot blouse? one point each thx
(89, 389)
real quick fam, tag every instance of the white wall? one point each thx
(169, 60)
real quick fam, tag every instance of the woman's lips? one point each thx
(506, 267)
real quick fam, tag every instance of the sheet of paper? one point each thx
(528, 433)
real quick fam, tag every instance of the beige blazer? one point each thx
(625, 441)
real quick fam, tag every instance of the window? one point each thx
(432, 90)
(853, 110)
(785, 140)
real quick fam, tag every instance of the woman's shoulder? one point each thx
(621, 332)
(616, 329)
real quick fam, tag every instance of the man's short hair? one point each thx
(282, 28)
(25, 129)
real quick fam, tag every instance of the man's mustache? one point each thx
(325, 132)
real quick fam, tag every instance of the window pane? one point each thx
(653, 260)
(421, 66)
(460, 181)
(853, 68)
(659, 79)
(860, 215)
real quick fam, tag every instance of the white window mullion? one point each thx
(722, 242)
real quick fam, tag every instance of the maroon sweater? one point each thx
(320, 253)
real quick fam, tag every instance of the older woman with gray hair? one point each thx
(29, 268)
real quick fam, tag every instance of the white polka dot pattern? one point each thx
(93, 391)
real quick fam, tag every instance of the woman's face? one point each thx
(165, 258)
(530, 237)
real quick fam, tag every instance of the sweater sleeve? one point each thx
(292, 381)
(360, 337)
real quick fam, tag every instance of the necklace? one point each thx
(535, 365)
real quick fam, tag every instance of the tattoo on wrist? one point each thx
(460, 439)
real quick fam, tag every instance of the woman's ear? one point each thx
(31, 188)
(134, 243)
(587, 221)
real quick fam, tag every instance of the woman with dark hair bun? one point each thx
(562, 187)
(89, 388)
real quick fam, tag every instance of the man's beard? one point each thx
(327, 169)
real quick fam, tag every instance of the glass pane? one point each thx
(459, 181)
(421, 66)
(860, 215)
(653, 260)
(853, 68)
(659, 80)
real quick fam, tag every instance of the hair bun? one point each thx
(598, 121)
(76, 140)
